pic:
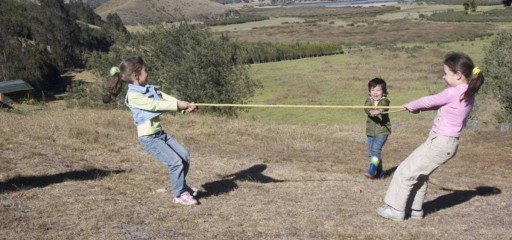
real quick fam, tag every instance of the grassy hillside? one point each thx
(133, 12)
(343, 79)
(69, 173)
(271, 174)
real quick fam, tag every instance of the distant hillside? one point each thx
(134, 12)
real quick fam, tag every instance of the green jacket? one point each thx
(380, 124)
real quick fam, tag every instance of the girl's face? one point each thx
(141, 79)
(451, 78)
(376, 92)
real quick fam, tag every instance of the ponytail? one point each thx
(474, 84)
(114, 86)
(121, 74)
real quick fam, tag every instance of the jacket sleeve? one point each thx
(385, 102)
(140, 101)
(432, 102)
(367, 103)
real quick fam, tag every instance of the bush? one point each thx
(39, 40)
(498, 65)
(187, 62)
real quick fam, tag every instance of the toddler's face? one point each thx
(376, 92)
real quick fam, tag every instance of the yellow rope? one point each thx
(395, 111)
(291, 106)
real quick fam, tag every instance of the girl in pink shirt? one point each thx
(453, 105)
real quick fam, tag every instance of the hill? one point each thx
(69, 180)
(134, 12)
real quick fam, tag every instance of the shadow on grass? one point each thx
(389, 172)
(228, 182)
(457, 197)
(23, 183)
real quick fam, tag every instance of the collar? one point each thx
(377, 99)
(142, 89)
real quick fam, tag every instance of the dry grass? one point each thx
(363, 32)
(134, 12)
(80, 174)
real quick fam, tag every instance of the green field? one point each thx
(411, 65)
(342, 80)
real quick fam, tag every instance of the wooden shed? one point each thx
(13, 86)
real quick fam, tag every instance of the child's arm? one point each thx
(367, 103)
(187, 106)
(432, 102)
(140, 101)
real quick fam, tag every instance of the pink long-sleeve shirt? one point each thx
(451, 112)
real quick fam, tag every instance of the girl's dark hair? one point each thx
(127, 67)
(460, 62)
(378, 81)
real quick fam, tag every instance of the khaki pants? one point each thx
(410, 179)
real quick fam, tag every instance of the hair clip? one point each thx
(476, 71)
(114, 71)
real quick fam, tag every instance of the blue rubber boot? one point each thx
(379, 172)
(372, 170)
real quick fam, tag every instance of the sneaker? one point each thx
(368, 174)
(192, 191)
(186, 199)
(388, 212)
(381, 175)
(416, 214)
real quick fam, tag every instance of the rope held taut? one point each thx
(289, 106)
(401, 108)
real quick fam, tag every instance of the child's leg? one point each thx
(157, 146)
(419, 194)
(181, 151)
(422, 162)
(377, 145)
(375, 152)
(370, 173)
(370, 145)
(185, 156)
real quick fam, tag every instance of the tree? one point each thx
(38, 41)
(115, 22)
(187, 62)
(470, 5)
(498, 65)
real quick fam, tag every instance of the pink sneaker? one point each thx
(186, 199)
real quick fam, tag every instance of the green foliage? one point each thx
(457, 2)
(320, 12)
(116, 23)
(83, 12)
(495, 15)
(498, 74)
(235, 20)
(274, 52)
(86, 95)
(186, 62)
(40, 40)
(469, 5)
